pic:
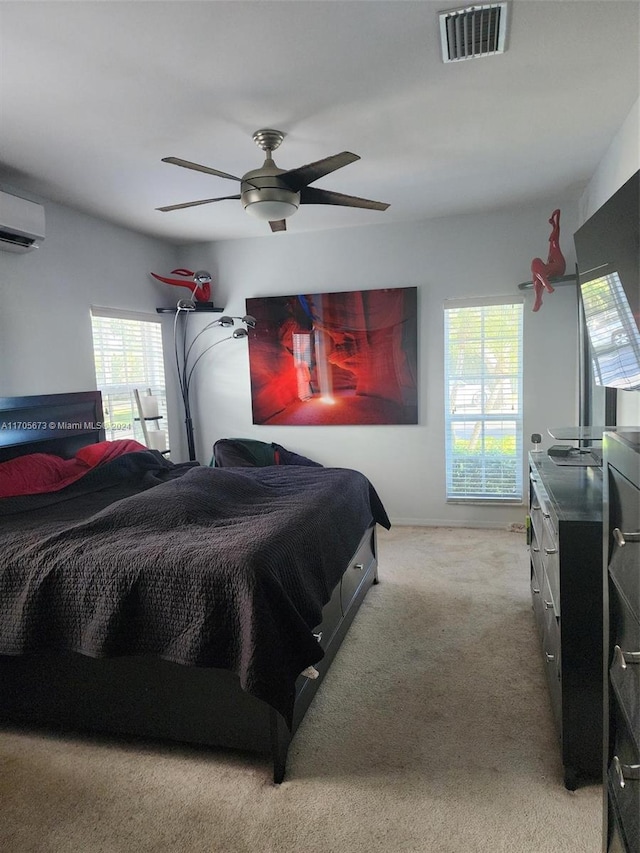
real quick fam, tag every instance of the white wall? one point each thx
(619, 163)
(481, 254)
(46, 296)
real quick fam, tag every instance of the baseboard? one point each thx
(442, 522)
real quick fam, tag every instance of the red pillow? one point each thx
(105, 451)
(36, 473)
(43, 472)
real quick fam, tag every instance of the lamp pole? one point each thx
(185, 367)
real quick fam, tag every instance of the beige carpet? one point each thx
(432, 732)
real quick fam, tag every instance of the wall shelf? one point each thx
(200, 308)
(565, 279)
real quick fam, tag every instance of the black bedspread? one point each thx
(217, 567)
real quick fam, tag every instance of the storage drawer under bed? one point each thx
(358, 568)
(346, 589)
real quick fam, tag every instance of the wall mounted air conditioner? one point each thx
(21, 224)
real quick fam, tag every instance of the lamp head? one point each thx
(249, 321)
(240, 333)
(225, 321)
(201, 278)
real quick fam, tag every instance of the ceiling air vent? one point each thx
(473, 32)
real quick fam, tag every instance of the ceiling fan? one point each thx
(273, 194)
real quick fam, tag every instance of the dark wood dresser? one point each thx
(565, 539)
(621, 534)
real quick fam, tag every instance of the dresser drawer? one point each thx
(623, 779)
(624, 538)
(536, 563)
(551, 563)
(536, 596)
(536, 552)
(551, 618)
(625, 627)
(621, 839)
(624, 745)
(538, 504)
(358, 568)
(554, 683)
(624, 675)
(552, 658)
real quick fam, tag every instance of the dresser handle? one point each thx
(550, 551)
(535, 591)
(535, 550)
(546, 514)
(358, 566)
(535, 507)
(318, 636)
(549, 657)
(622, 658)
(622, 538)
(548, 604)
(625, 772)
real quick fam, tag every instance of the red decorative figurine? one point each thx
(555, 266)
(200, 284)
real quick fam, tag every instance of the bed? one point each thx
(179, 602)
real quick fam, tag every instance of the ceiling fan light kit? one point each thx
(273, 194)
(270, 209)
(263, 194)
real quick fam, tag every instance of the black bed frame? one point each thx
(147, 696)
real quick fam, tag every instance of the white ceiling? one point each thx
(94, 94)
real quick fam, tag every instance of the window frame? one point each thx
(479, 417)
(126, 424)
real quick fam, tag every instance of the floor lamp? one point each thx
(185, 364)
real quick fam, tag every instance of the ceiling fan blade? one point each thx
(187, 164)
(279, 225)
(314, 195)
(296, 179)
(194, 203)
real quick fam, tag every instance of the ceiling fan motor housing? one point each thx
(265, 196)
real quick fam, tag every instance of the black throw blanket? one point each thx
(216, 567)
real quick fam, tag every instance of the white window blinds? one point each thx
(483, 399)
(128, 354)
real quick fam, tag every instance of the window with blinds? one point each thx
(483, 400)
(127, 350)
